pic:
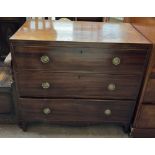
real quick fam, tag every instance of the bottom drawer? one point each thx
(76, 110)
(147, 117)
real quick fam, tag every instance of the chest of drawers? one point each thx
(77, 72)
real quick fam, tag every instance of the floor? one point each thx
(47, 131)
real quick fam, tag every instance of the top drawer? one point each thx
(70, 59)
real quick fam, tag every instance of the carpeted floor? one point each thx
(45, 131)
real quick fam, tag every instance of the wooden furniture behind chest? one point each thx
(77, 72)
(144, 122)
(8, 26)
(7, 114)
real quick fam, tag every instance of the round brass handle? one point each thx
(45, 85)
(116, 61)
(111, 87)
(107, 112)
(46, 111)
(44, 59)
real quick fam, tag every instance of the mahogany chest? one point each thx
(77, 72)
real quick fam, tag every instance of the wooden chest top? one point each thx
(89, 32)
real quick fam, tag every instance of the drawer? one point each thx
(149, 95)
(80, 59)
(75, 110)
(5, 103)
(77, 85)
(147, 117)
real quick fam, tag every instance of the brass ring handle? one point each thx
(44, 59)
(116, 61)
(45, 85)
(107, 112)
(111, 87)
(46, 111)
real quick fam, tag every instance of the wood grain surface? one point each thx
(76, 31)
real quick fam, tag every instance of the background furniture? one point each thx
(8, 26)
(144, 122)
(7, 113)
(77, 72)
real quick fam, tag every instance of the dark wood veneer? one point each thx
(79, 85)
(69, 59)
(76, 110)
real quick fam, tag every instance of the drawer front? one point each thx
(147, 117)
(76, 110)
(5, 103)
(150, 92)
(80, 59)
(82, 85)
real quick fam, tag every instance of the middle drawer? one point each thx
(77, 85)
